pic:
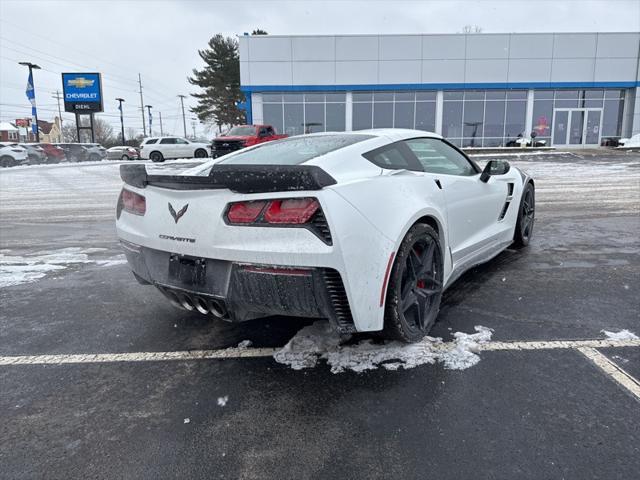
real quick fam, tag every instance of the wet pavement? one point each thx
(536, 413)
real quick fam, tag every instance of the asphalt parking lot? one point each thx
(101, 378)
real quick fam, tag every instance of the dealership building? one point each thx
(481, 90)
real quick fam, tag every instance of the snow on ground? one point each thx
(318, 341)
(17, 269)
(621, 335)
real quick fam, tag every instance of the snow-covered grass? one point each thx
(621, 335)
(319, 341)
(18, 269)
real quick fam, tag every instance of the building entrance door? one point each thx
(577, 127)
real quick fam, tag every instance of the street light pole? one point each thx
(149, 107)
(33, 66)
(184, 122)
(120, 100)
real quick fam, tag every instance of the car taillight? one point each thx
(133, 202)
(293, 211)
(245, 212)
(287, 211)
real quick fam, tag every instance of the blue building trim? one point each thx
(248, 89)
(249, 109)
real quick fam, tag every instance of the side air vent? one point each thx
(320, 227)
(504, 211)
(338, 299)
(505, 208)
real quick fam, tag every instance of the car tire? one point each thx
(7, 161)
(526, 217)
(201, 153)
(124, 157)
(156, 157)
(415, 286)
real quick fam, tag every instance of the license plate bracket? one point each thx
(187, 270)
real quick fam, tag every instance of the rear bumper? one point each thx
(237, 291)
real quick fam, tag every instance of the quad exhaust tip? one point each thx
(189, 302)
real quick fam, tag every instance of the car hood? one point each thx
(233, 138)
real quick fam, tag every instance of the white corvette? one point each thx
(363, 228)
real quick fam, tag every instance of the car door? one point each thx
(184, 149)
(168, 147)
(473, 206)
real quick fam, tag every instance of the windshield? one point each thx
(241, 131)
(295, 150)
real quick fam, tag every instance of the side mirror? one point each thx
(494, 167)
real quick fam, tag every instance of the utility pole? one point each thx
(150, 118)
(144, 128)
(120, 100)
(161, 131)
(58, 98)
(184, 122)
(31, 95)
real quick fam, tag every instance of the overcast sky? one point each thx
(160, 39)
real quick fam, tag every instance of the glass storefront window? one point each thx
(293, 118)
(515, 119)
(294, 113)
(451, 119)
(403, 116)
(272, 113)
(612, 118)
(335, 114)
(362, 115)
(494, 119)
(383, 115)
(473, 121)
(426, 116)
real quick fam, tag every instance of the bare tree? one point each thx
(103, 133)
(472, 29)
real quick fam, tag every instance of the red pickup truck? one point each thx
(243, 136)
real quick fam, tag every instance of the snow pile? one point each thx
(621, 335)
(16, 269)
(319, 341)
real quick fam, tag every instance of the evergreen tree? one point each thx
(220, 83)
(259, 31)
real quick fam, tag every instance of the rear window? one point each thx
(151, 140)
(295, 150)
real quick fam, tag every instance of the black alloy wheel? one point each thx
(156, 157)
(526, 217)
(200, 153)
(415, 286)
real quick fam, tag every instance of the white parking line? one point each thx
(234, 352)
(613, 370)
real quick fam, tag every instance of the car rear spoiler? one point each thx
(237, 178)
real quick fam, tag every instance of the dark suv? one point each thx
(74, 152)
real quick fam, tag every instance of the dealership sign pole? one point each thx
(83, 96)
(31, 95)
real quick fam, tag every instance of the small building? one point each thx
(482, 90)
(8, 132)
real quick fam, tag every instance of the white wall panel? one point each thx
(614, 69)
(270, 73)
(532, 45)
(487, 46)
(314, 73)
(400, 71)
(269, 49)
(478, 71)
(574, 45)
(356, 72)
(357, 48)
(530, 70)
(400, 47)
(443, 47)
(442, 71)
(245, 78)
(618, 45)
(313, 48)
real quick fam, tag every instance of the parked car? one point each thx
(35, 153)
(54, 153)
(74, 152)
(158, 149)
(366, 229)
(95, 151)
(243, 136)
(122, 153)
(12, 154)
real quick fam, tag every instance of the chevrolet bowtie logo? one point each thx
(81, 82)
(176, 215)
